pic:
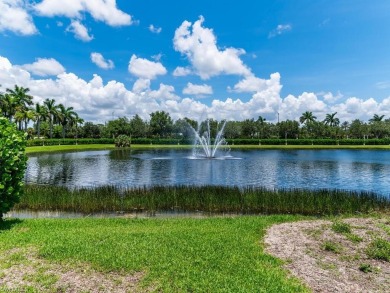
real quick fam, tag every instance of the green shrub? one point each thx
(122, 141)
(12, 165)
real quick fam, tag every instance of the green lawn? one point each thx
(176, 255)
(58, 148)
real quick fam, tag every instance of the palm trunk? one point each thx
(63, 131)
(39, 127)
(51, 126)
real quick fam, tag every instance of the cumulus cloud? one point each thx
(199, 45)
(182, 71)
(14, 17)
(99, 60)
(280, 29)
(80, 31)
(330, 97)
(141, 85)
(101, 10)
(45, 67)
(96, 100)
(144, 68)
(154, 29)
(250, 84)
(197, 89)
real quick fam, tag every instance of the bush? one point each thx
(122, 141)
(12, 165)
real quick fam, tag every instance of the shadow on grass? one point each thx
(8, 224)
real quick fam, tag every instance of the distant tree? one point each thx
(357, 129)
(332, 120)
(91, 130)
(376, 118)
(182, 129)
(232, 129)
(161, 124)
(66, 117)
(40, 115)
(138, 126)
(262, 126)
(52, 112)
(248, 128)
(118, 126)
(307, 117)
(288, 129)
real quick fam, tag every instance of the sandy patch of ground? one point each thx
(23, 270)
(328, 261)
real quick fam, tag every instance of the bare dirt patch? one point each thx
(330, 261)
(23, 270)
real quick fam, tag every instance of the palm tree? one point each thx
(331, 120)
(52, 111)
(377, 118)
(261, 121)
(40, 115)
(307, 117)
(77, 120)
(24, 115)
(20, 94)
(8, 106)
(66, 116)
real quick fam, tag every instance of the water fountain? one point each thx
(204, 147)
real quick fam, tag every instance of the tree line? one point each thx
(51, 120)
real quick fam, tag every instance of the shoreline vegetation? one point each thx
(205, 199)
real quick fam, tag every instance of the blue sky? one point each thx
(230, 60)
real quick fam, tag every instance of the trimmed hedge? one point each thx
(173, 141)
(385, 141)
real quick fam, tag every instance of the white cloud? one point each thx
(157, 57)
(14, 17)
(45, 67)
(144, 68)
(99, 60)
(199, 45)
(154, 29)
(141, 85)
(165, 92)
(250, 84)
(280, 29)
(80, 31)
(99, 101)
(182, 71)
(382, 85)
(101, 10)
(330, 97)
(197, 89)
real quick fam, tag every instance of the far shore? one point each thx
(86, 147)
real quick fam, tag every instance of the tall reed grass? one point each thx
(208, 199)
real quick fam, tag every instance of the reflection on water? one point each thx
(341, 169)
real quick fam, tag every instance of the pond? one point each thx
(367, 170)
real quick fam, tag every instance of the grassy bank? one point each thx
(209, 199)
(59, 148)
(176, 255)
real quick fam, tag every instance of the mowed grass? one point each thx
(177, 255)
(86, 147)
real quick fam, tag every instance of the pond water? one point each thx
(332, 169)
